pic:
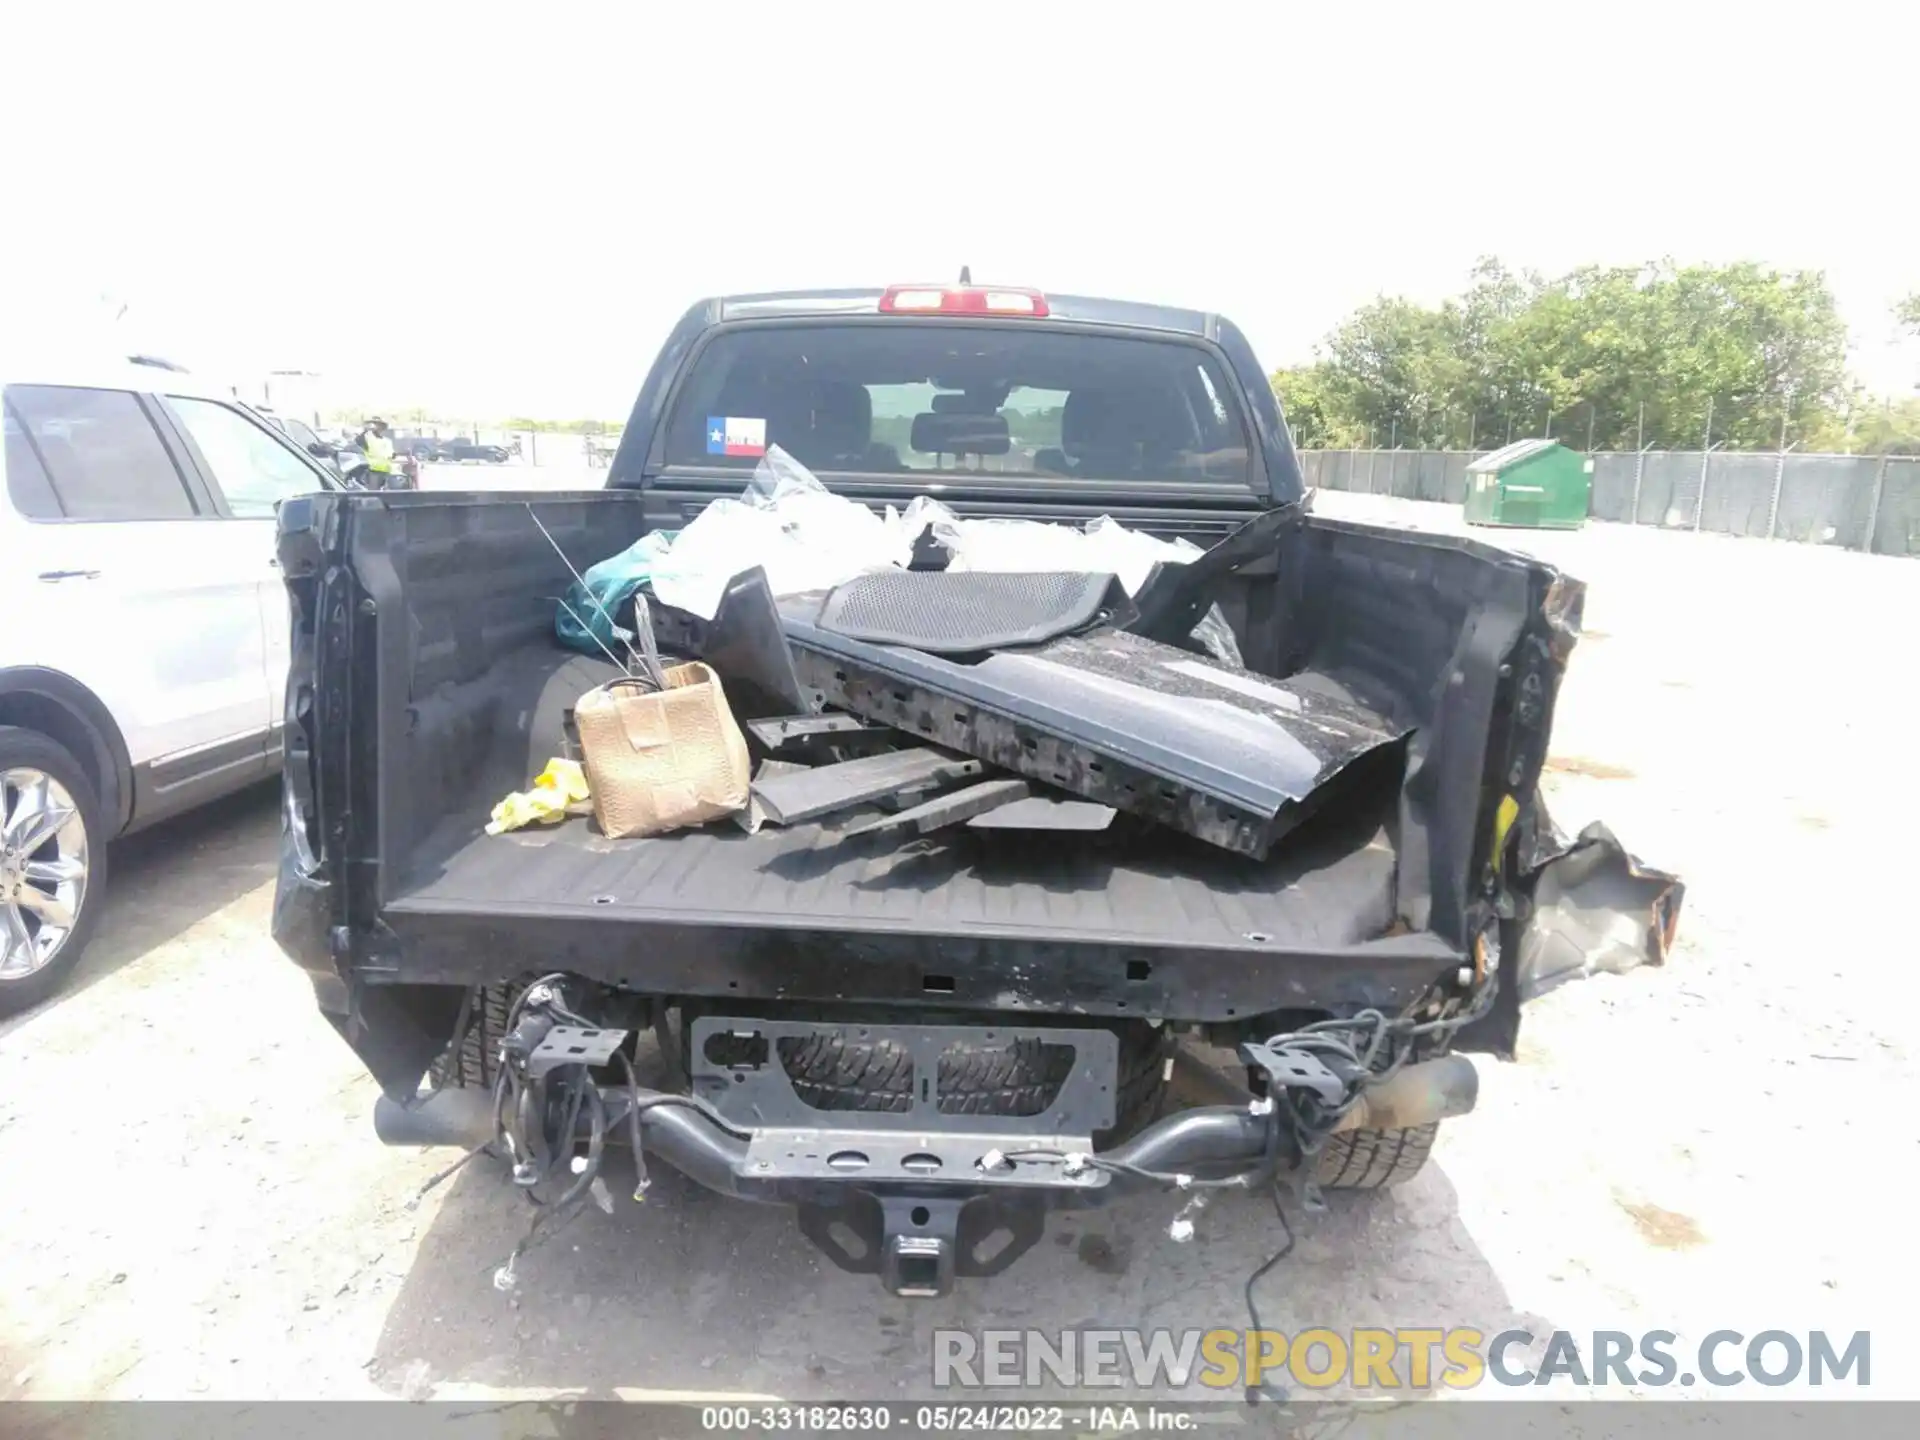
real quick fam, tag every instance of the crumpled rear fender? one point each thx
(1584, 906)
(1594, 907)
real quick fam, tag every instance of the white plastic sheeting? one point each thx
(807, 538)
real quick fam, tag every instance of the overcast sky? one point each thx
(501, 210)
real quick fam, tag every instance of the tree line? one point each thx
(1605, 357)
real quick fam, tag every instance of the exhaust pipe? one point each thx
(1233, 1136)
(462, 1116)
(1416, 1095)
(1224, 1136)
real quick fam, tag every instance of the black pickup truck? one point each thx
(926, 1052)
(460, 449)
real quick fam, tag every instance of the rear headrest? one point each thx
(1122, 426)
(936, 434)
(1083, 418)
(842, 416)
(844, 402)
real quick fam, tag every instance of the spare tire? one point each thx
(831, 1072)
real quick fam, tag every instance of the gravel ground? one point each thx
(195, 1206)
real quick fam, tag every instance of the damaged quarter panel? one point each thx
(1595, 908)
(1228, 756)
(1592, 906)
(1468, 644)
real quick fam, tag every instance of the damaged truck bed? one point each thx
(1010, 843)
(1126, 923)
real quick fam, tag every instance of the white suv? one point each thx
(143, 630)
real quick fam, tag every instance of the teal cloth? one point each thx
(591, 627)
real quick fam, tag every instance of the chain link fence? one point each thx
(1857, 502)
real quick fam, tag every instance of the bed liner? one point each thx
(1127, 889)
(1139, 923)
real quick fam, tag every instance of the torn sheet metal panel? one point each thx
(789, 798)
(945, 810)
(1220, 753)
(1583, 907)
(1596, 908)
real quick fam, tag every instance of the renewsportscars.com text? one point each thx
(1396, 1359)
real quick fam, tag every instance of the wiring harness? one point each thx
(1314, 1077)
(1357, 1051)
(545, 1095)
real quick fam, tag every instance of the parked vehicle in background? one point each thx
(427, 449)
(308, 439)
(143, 656)
(461, 450)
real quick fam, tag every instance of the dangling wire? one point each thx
(1263, 1391)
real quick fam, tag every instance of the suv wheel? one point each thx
(53, 862)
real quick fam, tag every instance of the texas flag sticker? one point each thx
(736, 435)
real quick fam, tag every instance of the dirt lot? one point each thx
(194, 1204)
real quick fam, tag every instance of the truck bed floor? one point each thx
(1037, 885)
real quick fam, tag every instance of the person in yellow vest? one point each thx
(377, 445)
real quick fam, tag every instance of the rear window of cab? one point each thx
(907, 397)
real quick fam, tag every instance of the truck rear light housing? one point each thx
(963, 300)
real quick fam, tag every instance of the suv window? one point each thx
(898, 396)
(27, 484)
(300, 433)
(253, 467)
(98, 452)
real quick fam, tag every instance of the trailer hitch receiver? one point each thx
(918, 1245)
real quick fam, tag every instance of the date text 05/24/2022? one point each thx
(960, 1419)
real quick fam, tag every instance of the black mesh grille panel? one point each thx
(948, 613)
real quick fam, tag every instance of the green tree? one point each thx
(1907, 313)
(1310, 412)
(1610, 354)
(1386, 371)
(1887, 427)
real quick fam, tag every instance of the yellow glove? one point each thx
(555, 791)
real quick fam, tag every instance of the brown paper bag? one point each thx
(659, 760)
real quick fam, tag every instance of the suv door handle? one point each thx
(52, 575)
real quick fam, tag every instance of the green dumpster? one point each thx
(1534, 484)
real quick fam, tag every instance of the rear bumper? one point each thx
(1033, 970)
(1212, 1139)
(921, 1214)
